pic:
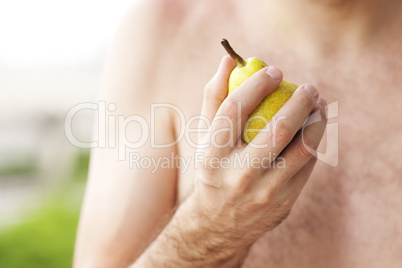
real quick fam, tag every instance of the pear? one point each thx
(268, 107)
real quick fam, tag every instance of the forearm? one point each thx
(190, 241)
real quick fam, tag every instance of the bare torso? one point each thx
(348, 215)
(165, 51)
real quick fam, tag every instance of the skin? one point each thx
(346, 216)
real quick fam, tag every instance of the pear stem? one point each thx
(239, 60)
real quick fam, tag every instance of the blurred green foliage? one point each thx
(81, 164)
(24, 166)
(45, 237)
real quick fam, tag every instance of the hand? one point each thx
(238, 204)
(232, 206)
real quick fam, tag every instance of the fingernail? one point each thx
(274, 72)
(311, 90)
(322, 102)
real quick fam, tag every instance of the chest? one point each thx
(349, 212)
(364, 130)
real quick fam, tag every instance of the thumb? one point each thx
(216, 89)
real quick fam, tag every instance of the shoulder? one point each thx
(149, 20)
(173, 22)
(146, 36)
(156, 38)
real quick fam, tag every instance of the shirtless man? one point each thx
(347, 216)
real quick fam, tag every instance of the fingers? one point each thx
(299, 180)
(216, 90)
(272, 139)
(303, 148)
(236, 108)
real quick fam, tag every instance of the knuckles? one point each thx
(211, 95)
(230, 108)
(209, 90)
(282, 132)
(238, 186)
(305, 100)
(213, 91)
(261, 84)
(305, 146)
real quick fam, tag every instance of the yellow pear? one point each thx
(268, 107)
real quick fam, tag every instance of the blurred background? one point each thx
(51, 57)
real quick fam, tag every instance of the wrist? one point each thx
(203, 238)
(191, 239)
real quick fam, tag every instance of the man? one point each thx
(202, 216)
